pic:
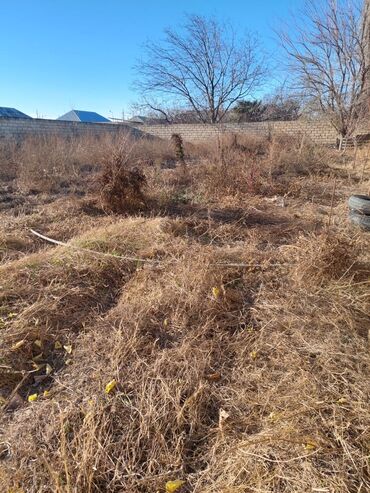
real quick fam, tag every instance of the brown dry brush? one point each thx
(50, 296)
(121, 189)
(241, 167)
(239, 348)
(52, 163)
(8, 168)
(132, 178)
(258, 385)
(236, 165)
(47, 163)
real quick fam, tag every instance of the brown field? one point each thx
(226, 300)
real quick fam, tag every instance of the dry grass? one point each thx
(53, 164)
(241, 167)
(238, 338)
(8, 151)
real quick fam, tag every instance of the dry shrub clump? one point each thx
(237, 167)
(121, 188)
(133, 174)
(124, 169)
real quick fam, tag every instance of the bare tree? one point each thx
(162, 112)
(205, 68)
(328, 53)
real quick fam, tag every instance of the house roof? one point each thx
(146, 120)
(84, 116)
(138, 119)
(12, 113)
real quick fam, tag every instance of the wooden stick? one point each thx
(94, 252)
(136, 259)
(15, 390)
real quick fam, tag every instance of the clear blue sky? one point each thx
(56, 55)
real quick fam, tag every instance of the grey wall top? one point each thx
(12, 113)
(84, 116)
(21, 128)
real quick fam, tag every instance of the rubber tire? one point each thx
(360, 203)
(360, 220)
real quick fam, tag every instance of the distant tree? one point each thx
(157, 112)
(329, 56)
(249, 111)
(282, 107)
(273, 108)
(205, 68)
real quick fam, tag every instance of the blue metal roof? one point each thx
(12, 113)
(84, 116)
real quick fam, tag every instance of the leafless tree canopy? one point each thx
(205, 68)
(328, 55)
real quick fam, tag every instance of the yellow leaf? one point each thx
(18, 344)
(46, 393)
(165, 322)
(68, 361)
(172, 486)
(216, 292)
(38, 343)
(48, 369)
(110, 386)
(36, 366)
(274, 417)
(253, 354)
(68, 348)
(309, 446)
(32, 398)
(57, 345)
(12, 315)
(342, 400)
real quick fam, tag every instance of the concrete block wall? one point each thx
(17, 128)
(319, 131)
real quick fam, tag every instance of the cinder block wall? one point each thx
(321, 131)
(17, 128)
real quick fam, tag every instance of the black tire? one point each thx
(360, 220)
(360, 203)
